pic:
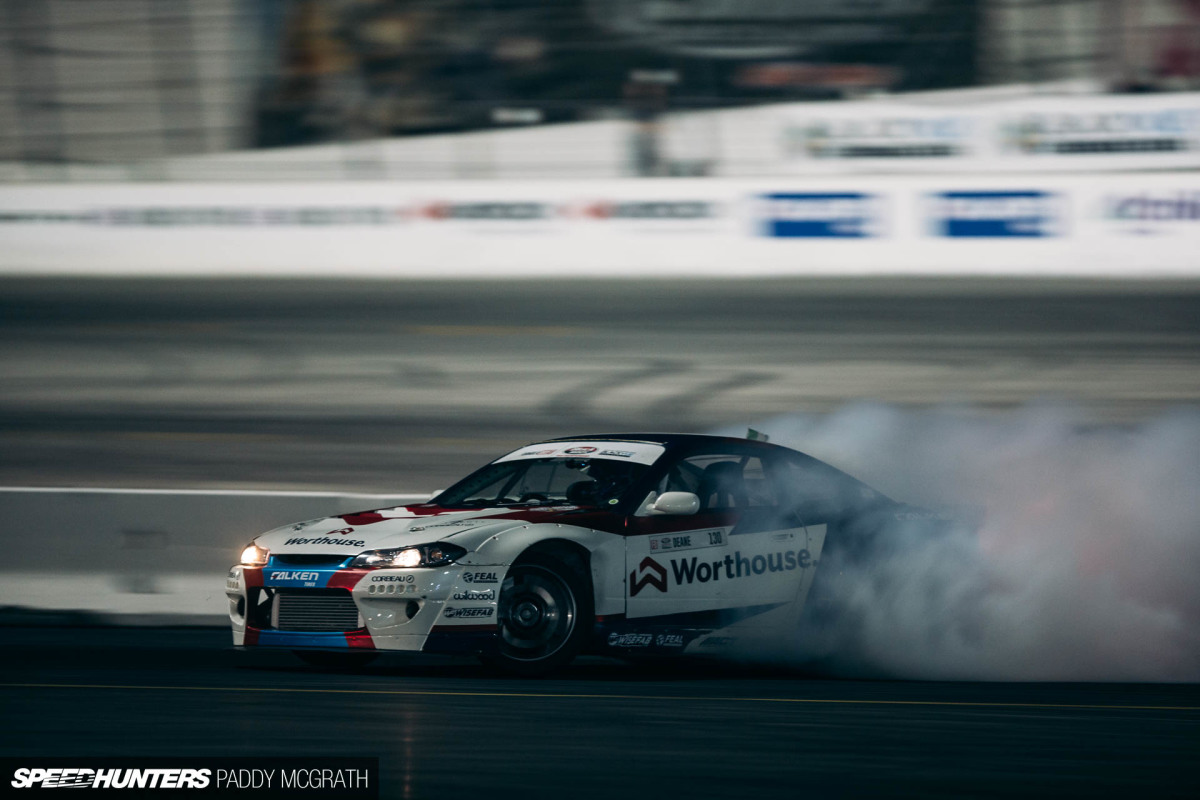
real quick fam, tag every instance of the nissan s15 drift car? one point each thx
(628, 544)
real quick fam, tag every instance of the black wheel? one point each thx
(329, 660)
(545, 616)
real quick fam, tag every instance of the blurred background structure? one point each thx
(146, 89)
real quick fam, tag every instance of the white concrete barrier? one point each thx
(1128, 225)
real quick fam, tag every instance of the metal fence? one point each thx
(320, 89)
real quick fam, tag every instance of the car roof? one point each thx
(669, 440)
(685, 441)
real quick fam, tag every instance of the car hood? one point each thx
(402, 526)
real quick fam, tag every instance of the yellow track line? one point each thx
(564, 696)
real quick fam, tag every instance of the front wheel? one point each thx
(545, 614)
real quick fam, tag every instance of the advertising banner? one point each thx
(1130, 224)
(1033, 134)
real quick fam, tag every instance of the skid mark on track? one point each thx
(584, 696)
(680, 406)
(575, 403)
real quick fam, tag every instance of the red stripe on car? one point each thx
(360, 639)
(346, 578)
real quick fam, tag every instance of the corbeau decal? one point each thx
(652, 573)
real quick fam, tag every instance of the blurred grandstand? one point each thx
(145, 89)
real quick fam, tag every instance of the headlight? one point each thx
(424, 555)
(254, 556)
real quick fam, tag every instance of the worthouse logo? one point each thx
(652, 573)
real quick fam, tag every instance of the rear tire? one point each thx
(328, 660)
(545, 616)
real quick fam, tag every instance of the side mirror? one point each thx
(676, 503)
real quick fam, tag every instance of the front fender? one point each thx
(607, 556)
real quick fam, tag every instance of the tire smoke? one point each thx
(1083, 564)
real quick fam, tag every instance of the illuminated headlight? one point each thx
(254, 556)
(425, 555)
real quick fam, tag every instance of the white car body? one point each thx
(665, 582)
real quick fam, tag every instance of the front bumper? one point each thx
(286, 604)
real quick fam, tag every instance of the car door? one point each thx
(741, 549)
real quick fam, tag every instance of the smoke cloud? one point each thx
(1083, 565)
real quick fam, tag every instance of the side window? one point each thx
(817, 492)
(722, 481)
(760, 492)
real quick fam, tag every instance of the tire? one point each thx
(329, 660)
(545, 616)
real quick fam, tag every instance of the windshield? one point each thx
(544, 481)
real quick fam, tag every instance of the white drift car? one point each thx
(619, 544)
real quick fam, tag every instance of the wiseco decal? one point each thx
(692, 570)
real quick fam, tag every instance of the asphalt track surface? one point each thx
(448, 729)
(405, 386)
